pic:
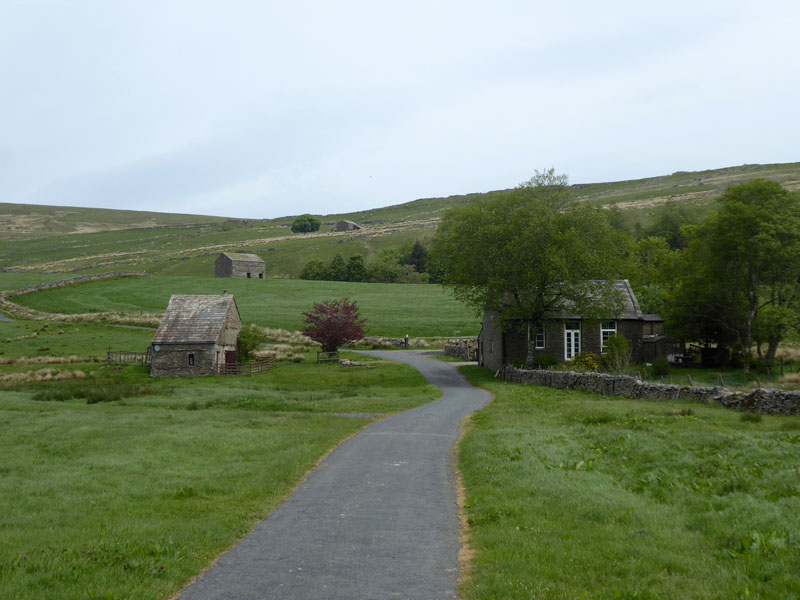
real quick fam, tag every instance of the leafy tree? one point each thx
(670, 223)
(356, 269)
(529, 251)
(387, 268)
(651, 271)
(315, 269)
(337, 270)
(741, 274)
(418, 257)
(306, 224)
(333, 323)
(249, 339)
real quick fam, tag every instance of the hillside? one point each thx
(18, 221)
(82, 240)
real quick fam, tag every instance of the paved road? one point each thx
(378, 519)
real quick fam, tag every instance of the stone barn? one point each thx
(564, 335)
(196, 335)
(235, 264)
(347, 226)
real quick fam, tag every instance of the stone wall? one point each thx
(463, 349)
(767, 401)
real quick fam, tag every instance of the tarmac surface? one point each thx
(377, 519)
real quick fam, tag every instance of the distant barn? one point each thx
(347, 226)
(196, 336)
(235, 264)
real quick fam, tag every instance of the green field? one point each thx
(574, 495)
(132, 498)
(84, 340)
(391, 309)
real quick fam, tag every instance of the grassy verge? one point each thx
(573, 495)
(120, 486)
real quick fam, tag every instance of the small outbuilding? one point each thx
(236, 264)
(347, 226)
(196, 336)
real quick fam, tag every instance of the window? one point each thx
(539, 334)
(191, 360)
(248, 275)
(607, 329)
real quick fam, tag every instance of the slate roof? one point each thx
(194, 319)
(244, 257)
(630, 309)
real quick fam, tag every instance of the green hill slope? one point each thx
(83, 240)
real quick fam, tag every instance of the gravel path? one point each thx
(378, 519)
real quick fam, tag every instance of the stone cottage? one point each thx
(236, 264)
(347, 226)
(564, 335)
(196, 335)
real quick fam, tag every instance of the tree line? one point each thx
(409, 264)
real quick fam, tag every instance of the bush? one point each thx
(618, 354)
(544, 361)
(250, 338)
(660, 367)
(585, 361)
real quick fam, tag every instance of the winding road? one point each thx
(377, 519)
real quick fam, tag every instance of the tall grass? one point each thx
(572, 495)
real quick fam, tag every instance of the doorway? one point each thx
(572, 339)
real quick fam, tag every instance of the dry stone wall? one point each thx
(463, 349)
(766, 401)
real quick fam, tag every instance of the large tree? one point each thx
(531, 251)
(741, 280)
(306, 224)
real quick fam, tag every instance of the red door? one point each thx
(230, 357)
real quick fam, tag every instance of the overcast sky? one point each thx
(263, 108)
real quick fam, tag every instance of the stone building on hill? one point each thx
(235, 264)
(196, 336)
(347, 226)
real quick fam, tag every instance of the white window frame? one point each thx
(607, 329)
(540, 336)
(572, 339)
